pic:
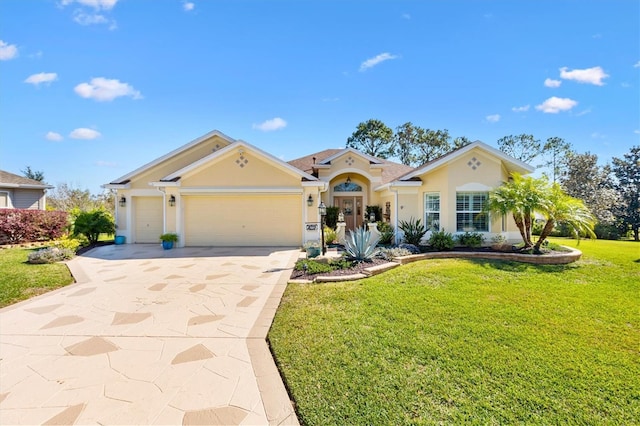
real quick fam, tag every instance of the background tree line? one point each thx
(611, 192)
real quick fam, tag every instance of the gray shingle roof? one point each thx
(12, 180)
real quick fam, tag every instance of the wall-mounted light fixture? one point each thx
(172, 200)
(348, 180)
(122, 201)
(310, 201)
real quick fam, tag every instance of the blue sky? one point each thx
(92, 89)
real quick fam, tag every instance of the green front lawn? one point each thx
(20, 280)
(469, 341)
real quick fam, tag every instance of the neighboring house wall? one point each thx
(32, 199)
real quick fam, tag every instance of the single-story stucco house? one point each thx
(219, 191)
(18, 192)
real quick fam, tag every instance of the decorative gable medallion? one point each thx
(217, 147)
(242, 161)
(350, 160)
(474, 163)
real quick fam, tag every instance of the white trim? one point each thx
(9, 200)
(367, 157)
(173, 153)
(473, 187)
(240, 190)
(163, 184)
(516, 164)
(116, 185)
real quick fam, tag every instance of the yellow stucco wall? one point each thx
(227, 172)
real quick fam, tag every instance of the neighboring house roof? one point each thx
(9, 180)
(512, 163)
(390, 171)
(126, 178)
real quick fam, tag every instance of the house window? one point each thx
(347, 187)
(432, 211)
(469, 214)
(4, 200)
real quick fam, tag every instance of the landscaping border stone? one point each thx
(553, 258)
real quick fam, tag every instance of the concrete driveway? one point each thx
(149, 336)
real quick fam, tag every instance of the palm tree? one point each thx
(521, 196)
(559, 207)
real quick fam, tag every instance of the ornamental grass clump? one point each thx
(361, 245)
(50, 255)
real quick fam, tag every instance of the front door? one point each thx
(351, 208)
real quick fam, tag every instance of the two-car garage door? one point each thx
(243, 220)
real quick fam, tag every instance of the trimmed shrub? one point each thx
(413, 231)
(331, 219)
(67, 243)
(93, 223)
(607, 231)
(386, 232)
(21, 225)
(412, 249)
(330, 235)
(441, 240)
(470, 239)
(50, 255)
(376, 210)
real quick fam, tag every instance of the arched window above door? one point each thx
(347, 187)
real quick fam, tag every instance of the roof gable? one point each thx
(369, 158)
(511, 163)
(194, 143)
(236, 147)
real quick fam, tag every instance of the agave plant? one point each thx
(361, 244)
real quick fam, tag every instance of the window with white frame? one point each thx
(4, 200)
(469, 214)
(432, 211)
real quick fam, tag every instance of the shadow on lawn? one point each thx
(524, 267)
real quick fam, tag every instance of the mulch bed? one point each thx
(356, 269)
(92, 246)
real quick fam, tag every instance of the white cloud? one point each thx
(101, 163)
(523, 108)
(636, 65)
(406, 16)
(637, 131)
(104, 89)
(96, 4)
(43, 77)
(552, 83)
(372, 62)
(554, 105)
(584, 112)
(271, 125)
(89, 18)
(7, 51)
(53, 136)
(84, 133)
(593, 75)
(494, 118)
(597, 135)
(188, 6)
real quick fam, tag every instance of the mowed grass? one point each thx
(20, 280)
(463, 341)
